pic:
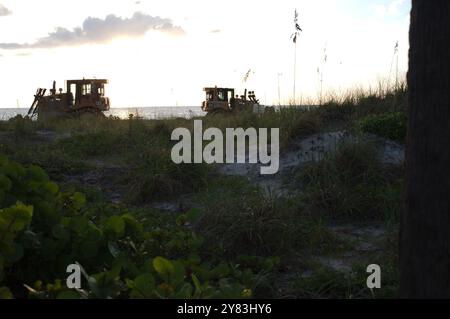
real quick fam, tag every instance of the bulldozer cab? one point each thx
(218, 99)
(86, 92)
(219, 94)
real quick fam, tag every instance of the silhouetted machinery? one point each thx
(221, 100)
(85, 96)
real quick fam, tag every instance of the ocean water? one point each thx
(124, 113)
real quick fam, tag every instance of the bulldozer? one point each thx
(223, 100)
(86, 96)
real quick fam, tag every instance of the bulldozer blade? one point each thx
(39, 93)
(32, 106)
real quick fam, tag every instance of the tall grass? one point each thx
(236, 218)
(144, 146)
(352, 184)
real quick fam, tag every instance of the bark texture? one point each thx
(425, 224)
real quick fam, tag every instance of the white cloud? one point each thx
(95, 30)
(4, 11)
(388, 10)
(394, 7)
(360, 47)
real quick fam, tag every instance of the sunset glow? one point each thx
(162, 53)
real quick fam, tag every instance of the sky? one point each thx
(164, 52)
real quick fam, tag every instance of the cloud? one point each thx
(98, 31)
(4, 11)
(394, 6)
(390, 9)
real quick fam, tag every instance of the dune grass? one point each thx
(235, 218)
(353, 184)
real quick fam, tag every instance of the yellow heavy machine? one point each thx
(85, 96)
(223, 100)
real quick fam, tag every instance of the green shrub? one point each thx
(123, 254)
(157, 177)
(239, 219)
(56, 162)
(93, 144)
(331, 284)
(390, 125)
(351, 183)
(21, 126)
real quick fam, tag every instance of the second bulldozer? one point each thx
(223, 100)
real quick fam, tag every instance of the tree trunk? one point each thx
(425, 224)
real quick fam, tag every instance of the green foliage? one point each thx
(328, 283)
(126, 255)
(5, 293)
(144, 146)
(55, 161)
(389, 125)
(239, 219)
(92, 144)
(21, 126)
(325, 282)
(352, 183)
(222, 250)
(158, 177)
